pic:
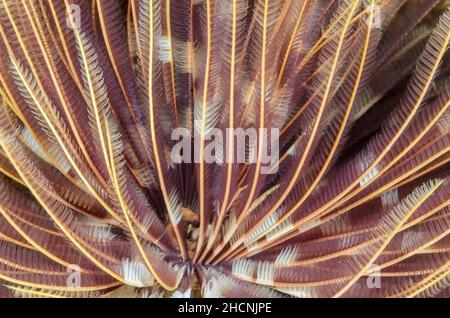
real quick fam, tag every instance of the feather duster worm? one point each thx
(356, 94)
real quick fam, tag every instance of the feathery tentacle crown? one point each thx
(122, 122)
